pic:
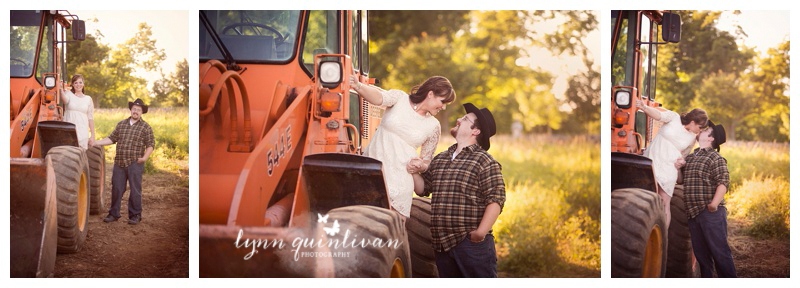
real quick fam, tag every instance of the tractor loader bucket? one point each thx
(57, 133)
(224, 252)
(632, 171)
(336, 180)
(34, 230)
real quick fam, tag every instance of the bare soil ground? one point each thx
(757, 257)
(156, 247)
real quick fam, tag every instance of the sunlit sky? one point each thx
(170, 30)
(561, 66)
(765, 29)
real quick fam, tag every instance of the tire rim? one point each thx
(83, 201)
(653, 253)
(398, 271)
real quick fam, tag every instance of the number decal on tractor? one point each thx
(282, 148)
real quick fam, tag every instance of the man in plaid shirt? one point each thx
(468, 194)
(706, 181)
(135, 142)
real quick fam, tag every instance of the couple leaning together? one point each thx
(464, 181)
(134, 139)
(704, 173)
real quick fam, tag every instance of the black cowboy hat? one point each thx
(140, 103)
(485, 124)
(718, 132)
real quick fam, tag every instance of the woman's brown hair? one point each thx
(75, 78)
(440, 86)
(697, 115)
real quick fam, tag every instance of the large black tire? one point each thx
(97, 179)
(72, 189)
(638, 234)
(423, 258)
(679, 260)
(370, 222)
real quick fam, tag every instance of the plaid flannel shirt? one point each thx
(131, 141)
(704, 171)
(461, 189)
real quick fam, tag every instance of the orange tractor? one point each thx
(281, 135)
(54, 183)
(640, 244)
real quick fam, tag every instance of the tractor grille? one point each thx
(364, 118)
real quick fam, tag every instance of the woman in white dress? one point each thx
(674, 141)
(408, 124)
(79, 110)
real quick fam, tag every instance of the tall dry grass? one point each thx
(759, 190)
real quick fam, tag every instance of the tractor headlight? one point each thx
(330, 73)
(623, 98)
(49, 81)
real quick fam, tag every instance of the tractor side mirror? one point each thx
(671, 27)
(78, 30)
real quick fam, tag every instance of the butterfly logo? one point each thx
(322, 219)
(333, 230)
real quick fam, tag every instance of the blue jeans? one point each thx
(709, 232)
(129, 175)
(469, 259)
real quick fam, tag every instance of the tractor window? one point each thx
(644, 76)
(364, 43)
(620, 72)
(321, 37)
(354, 39)
(654, 62)
(251, 36)
(45, 63)
(24, 35)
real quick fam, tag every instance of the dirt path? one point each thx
(156, 247)
(757, 258)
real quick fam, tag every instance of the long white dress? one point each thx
(401, 132)
(79, 111)
(672, 142)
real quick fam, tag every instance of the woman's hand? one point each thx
(640, 103)
(416, 165)
(91, 142)
(354, 82)
(679, 163)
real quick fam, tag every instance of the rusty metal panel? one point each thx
(56, 133)
(34, 230)
(631, 171)
(336, 180)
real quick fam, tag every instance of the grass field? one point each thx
(171, 131)
(759, 190)
(550, 225)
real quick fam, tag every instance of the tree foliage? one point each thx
(109, 71)
(709, 69)
(478, 52)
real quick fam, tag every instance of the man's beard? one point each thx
(454, 131)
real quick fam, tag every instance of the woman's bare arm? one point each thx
(64, 96)
(370, 93)
(419, 184)
(650, 111)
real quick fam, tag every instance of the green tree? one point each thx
(478, 52)
(709, 70)
(391, 30)
(173, 90)
(703, 50)
(769, 84)
(108, 71)
(723, 98)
